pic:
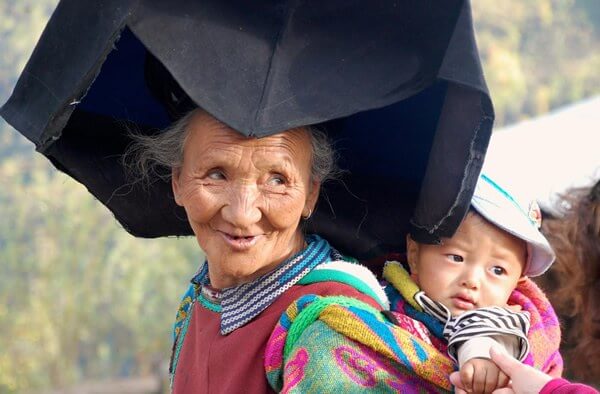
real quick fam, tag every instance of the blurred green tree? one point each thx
(79, 297)
(538, 55)
(21, 24)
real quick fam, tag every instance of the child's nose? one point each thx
(471, 279)
(469, 283)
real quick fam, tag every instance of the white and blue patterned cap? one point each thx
(521, 219)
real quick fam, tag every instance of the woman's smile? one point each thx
(240, 243)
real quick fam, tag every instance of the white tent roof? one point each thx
(544, 156)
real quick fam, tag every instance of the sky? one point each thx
(544, 156)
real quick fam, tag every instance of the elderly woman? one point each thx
(245, 199)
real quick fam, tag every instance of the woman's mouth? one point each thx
(240, 243)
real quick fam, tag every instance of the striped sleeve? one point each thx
(487, 322)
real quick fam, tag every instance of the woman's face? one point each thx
(244, 197)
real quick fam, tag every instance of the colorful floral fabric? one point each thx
(324, 344)
(329, 344)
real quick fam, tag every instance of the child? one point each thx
(466, 281)
(464, 296)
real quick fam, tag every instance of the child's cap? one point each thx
(499, 207)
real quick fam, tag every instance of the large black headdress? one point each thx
(398, 84)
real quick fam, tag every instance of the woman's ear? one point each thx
(312, 197)
(175, 172)
(522, 279)
(412, 253)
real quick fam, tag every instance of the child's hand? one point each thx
(514, 308)
(480, 375)
(524, 379)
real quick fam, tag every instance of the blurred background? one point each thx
(85, 307)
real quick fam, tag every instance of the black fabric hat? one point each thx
(399, 85)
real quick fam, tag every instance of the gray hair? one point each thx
(152, 157)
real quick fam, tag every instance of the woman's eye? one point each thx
(215, 175)
(455, 258)
(497, 270)
(277, 180)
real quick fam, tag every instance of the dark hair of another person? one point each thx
(573, 282)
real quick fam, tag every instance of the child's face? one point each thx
(478, 267)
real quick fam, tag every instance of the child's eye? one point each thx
(497, 270)
(455, 258)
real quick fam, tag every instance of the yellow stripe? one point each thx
(435, 369)
(401, 280)
(292, 311)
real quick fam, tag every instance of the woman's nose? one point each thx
(241, 210)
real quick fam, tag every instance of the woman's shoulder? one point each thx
(345, 278)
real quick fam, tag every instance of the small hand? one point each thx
(524, 379)
(514, 308)
(478, 375)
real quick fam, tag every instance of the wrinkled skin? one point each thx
(244, 197)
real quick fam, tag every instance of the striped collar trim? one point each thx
(480, 322)
(243, 303)
(434, 308)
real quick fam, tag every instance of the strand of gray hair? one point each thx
(151, 157)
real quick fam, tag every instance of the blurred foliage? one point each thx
(538, 55)
(81, 299)
(21, 24)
